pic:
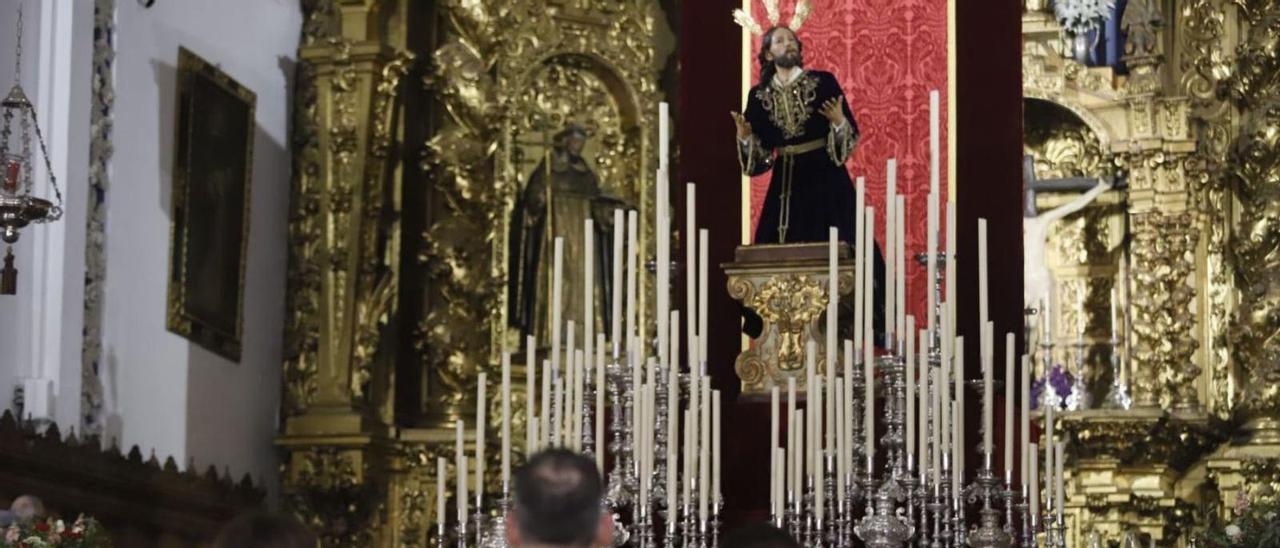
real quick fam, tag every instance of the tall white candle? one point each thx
(570, 382)
(481, 388)
(833, 304)
(664, 137)
(1009, 378)
(673, 407)
(441, 463)
(901, 257)
(1059, 489)
(953, 246)
(982, 272)
(691, 274)
(957, 449)
(868, 357)
(662, 255)
(506, 422)
(958, 443)
(579, 393)
(632, 275)
(530, 393)
(780, 500)
(890, 249)
(460, 462)
(847, 424)
(811, 407)
(615, 327)
(842, 440)
(859, 222)
(988, 411)
(686, 487)
(935, 145)
(773, 444)
(704, 454)
(911, 391)
(791, 432)
(589, 288)
(703, 244)
(600, 386)
(931, 262)
(935, 399)
(924, 401)
(797, 482)
(1048, 457)
(1024, 418)
(944, 394)
(544, 420)
(1033, 483)
(556, 300)
(715, 445)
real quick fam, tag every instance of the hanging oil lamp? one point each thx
(18, 207)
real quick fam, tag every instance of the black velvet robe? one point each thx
(809, 189)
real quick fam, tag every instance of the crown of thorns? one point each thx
(744, 18)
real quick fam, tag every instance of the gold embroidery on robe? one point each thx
(790, 105)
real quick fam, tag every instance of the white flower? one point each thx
(1081, 16)
(1233, 531)
(34, 542)
(59, 526)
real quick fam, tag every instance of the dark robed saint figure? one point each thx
(798, 125)
(574, 197)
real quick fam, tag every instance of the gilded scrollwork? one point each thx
(790, 304)
(1164, 258)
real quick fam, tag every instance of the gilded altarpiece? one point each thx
(415, 126)
(1191, 241)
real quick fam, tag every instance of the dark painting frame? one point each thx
(212, 176)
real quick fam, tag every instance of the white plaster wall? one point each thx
(163, 392)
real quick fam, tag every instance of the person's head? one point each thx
(26, 509)
(760, 535)
(779, 48)
(571, 139)
(557, 502)
(265, 530)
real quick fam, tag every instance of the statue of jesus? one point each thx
(798, 124)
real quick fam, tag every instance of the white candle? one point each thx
(440, 493)
(1009, 378)
(663, 259)
(615, 327)
(506, 422)
(1033, 484)
(1024, 418)
(833, 304)
(982, 272)
(935, 146)
(773, 444)
(931, 262)
(579, 394)
(944, 395)
(935, 399)
(673, 408)
(953, 246)
(811, 407)
(558, 435)
(957, 418)
(778, 482)
(663, 135)
(691, 274)
(556, 286)
(797, 470)
(686, 486)
(715, 445)
(570, 382)
(589, 288)
(911, 391)
(988, 411)
(901, 257)
(859, 223)
(842, 440)
(703, 236)
(791, 431)
(460, 461)
(890, 249)
(632, 275)
(846, 425)
(530, 394)
(1048, 457)
(704, 454)
(924, 403)
(868, 357)
(481, 388)
(1059, 489)
(601, 388)
(544, 420)
(957, 449)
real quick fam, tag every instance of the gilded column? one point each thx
(341, 283)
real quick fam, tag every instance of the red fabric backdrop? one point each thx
(887, 55)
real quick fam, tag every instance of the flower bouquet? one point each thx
(85, 532)
(1257, 525)
(1053, 389)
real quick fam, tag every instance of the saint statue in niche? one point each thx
(544, 212)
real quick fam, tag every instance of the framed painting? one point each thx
(212, 169)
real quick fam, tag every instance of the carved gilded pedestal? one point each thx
(786, 285)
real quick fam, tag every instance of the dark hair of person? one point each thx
(265, 530)
(557, 498)
(767, 69)
(759, 535)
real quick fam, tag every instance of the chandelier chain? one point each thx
(17, 73)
